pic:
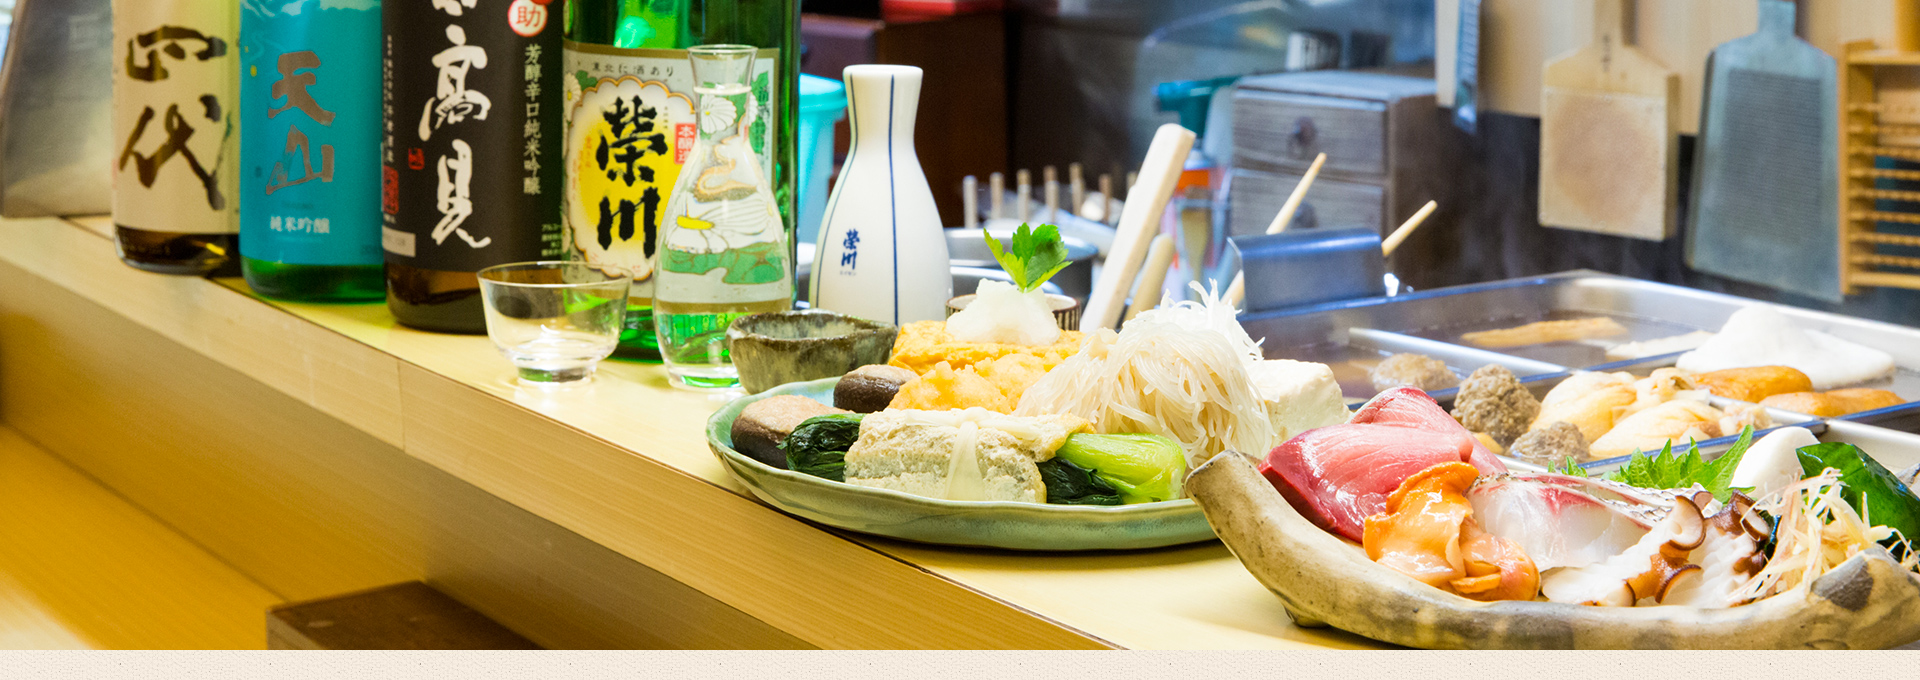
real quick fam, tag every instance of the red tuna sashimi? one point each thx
(1410, 407)
(1338, 476)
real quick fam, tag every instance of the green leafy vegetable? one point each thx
(1670, 471)
(1069, 484)
(1568, 467)
(1032, 256)
(1873, 491)
(1144, 468)
(819, 445)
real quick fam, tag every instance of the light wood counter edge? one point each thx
(597, 485)
(725, 544)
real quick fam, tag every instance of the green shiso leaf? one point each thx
(1869, 487)
(1568, 467)
(1676, 471)
(1031, 256)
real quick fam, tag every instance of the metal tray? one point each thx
(1539, 385)
(1905, 418)
(1354, 353)
(1353, 335)
(1895, 450)
(1648, 310)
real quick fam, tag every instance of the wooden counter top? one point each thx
(623, 462)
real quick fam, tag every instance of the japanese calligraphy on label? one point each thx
(173, 116)
(629, 126)
(471, 179)
(309, 133)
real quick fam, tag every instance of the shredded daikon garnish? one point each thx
(1817, 530)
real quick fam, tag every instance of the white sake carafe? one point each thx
(882, 252)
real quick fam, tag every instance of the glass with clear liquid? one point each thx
(723, 248)
(554, 320)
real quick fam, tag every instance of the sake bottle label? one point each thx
(310, 133)
(174, 85)
(630, 125)
(471, 174)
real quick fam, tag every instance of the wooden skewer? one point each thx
(1285, 217)
(1050, 188)
(1406, 229)
(1023, 195)
(996, 196)
(1106, 198)
(1153, 276)
(969, 201)
(1076, 188)
(1139, 221)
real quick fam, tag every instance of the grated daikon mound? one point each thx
(1001, 312)
(1158, 377)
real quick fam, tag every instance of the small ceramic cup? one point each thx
(776, 348)
(1066, 310)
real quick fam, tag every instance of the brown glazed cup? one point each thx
(776, 348)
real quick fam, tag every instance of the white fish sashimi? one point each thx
(1761, 336)
(1562, 521)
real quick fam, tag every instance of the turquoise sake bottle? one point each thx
(310, 88)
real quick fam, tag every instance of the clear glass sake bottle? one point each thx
(630, 124)
(723, 248)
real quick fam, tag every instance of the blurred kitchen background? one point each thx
(1025, 84)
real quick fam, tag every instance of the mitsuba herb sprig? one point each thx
(1032, 255)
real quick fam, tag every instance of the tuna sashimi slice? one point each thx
(1337, 476)
(1410, 407)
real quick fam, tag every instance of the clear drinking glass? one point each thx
(554, 320)
(723, 246)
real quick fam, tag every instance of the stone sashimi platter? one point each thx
(1868, 602)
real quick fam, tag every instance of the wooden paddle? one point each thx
(1608, 160)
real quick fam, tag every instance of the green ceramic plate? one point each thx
(995, 524)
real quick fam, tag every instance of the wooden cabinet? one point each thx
(1286, 130)
(1387, 146)
(1335, 203)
